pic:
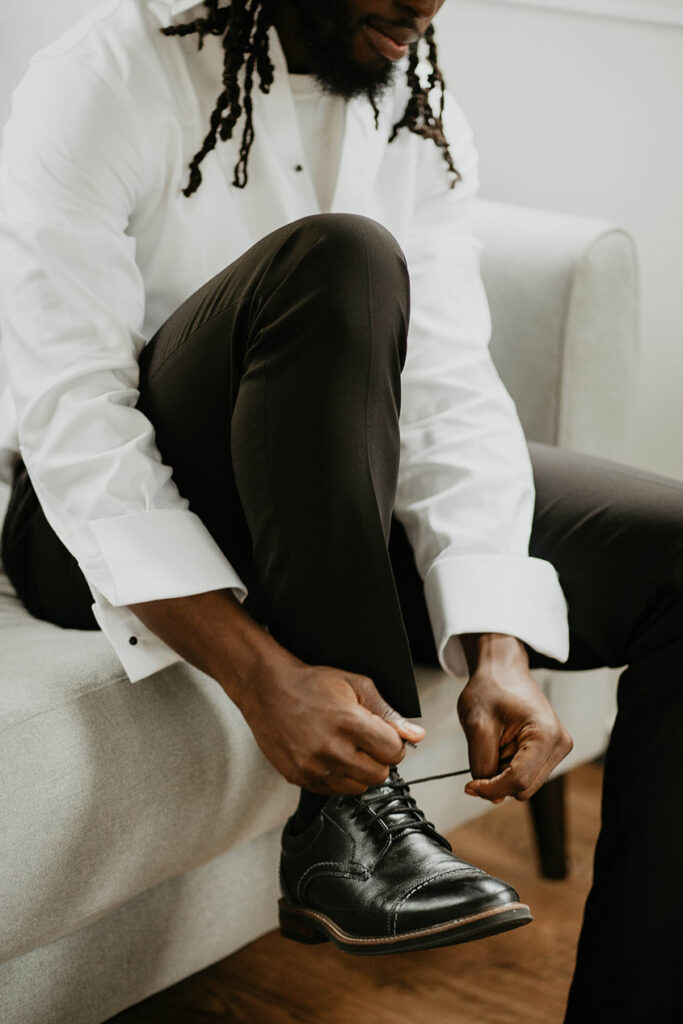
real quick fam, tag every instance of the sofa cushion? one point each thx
(110, 787)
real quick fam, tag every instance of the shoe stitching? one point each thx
(400, 900)
(360, 872)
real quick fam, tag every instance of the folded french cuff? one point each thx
(141, 652)
(145, 556)
(520, 596)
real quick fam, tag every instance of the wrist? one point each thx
(251, 660)
(488, 650)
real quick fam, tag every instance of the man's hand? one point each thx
(325, 729)
(514, 737)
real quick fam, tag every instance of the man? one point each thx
(223, 414)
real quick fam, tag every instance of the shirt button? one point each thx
(132, 640)
(298, 167)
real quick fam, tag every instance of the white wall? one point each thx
(571, 112)
(584, 114)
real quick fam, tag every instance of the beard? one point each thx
(327, 31)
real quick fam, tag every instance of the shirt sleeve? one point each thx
(465, 492)
(74, 167)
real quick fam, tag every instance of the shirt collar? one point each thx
(169, 8)
(165, 10)
(178, 6)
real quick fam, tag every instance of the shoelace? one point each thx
(428, 778)
(384, 804)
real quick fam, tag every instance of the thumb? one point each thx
(483, 741)
(370, 697)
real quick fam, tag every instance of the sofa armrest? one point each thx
(564, 299)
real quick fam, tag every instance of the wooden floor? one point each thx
(521, 977)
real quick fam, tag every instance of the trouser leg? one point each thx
(615, 535)
(289, 363)
(274, 391)
(43, 572)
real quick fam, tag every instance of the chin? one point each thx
(358, 80)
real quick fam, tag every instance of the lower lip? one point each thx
(384, 45)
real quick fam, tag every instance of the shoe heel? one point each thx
(299, 928)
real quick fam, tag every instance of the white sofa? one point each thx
(139, 824)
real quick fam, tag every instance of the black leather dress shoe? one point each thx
(373, 876)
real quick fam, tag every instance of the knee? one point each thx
(361, 276)
(348, 246)
(338, 282)
(351, 234)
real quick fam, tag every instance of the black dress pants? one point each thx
(275, 394)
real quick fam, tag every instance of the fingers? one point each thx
(336, 785)
(362, 758)
(351, 772)
(483, 742)
(375, 737)
(352, 736)
(340, 778)
(365, 769)
(370, 698)
(344, 759)
(521, 779)
(530, 767)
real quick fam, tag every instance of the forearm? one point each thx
(213, 632)
(493, 649)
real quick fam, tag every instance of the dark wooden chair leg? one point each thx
(548, 815)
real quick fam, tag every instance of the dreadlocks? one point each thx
(244, 27)
(419, 116)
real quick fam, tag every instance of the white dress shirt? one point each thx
(321, 123)
(98, 246)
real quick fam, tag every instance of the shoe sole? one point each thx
(311, 926)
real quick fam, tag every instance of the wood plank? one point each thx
(521, 976)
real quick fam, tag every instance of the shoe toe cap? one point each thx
(450, 897)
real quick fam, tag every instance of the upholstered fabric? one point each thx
(163, 934)
(564, 304)
(114, 788)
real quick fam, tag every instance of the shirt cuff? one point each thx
(519, 596)
(149, 556)
(140, 651)
(146, 556)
